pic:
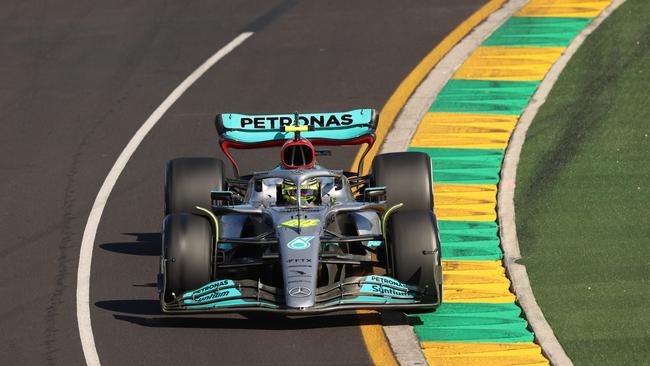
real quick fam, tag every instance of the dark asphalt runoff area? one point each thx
(79, 78)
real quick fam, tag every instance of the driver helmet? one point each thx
(309, 191)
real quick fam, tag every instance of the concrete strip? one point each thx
(506, 209)
(409, 118)
(402, 338)
(400, 335)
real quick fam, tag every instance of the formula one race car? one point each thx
(299, 238)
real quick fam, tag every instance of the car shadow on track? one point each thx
(147, 244)
(147, 313)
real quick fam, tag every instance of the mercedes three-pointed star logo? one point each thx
(299, 292)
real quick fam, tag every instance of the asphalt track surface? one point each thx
(79, 78)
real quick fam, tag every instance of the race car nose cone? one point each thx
(299, 253)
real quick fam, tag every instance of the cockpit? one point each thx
(313, 191)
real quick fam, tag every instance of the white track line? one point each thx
(88, 241)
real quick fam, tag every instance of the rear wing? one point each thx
(240, 131)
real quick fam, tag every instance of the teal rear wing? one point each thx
(240, 131)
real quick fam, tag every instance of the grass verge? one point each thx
(583, 196)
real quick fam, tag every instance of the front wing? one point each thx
(363, 292)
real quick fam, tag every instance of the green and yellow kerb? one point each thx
(465, 132)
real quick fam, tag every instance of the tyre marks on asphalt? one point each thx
(537, 32)
(509, 63)
(473, 322)
(480, 131)
(466, 131)
(520, 353)
(463, 166)
(470, 240)
(475, 281)
(465, 202)
(484, 97)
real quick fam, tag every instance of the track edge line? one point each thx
(84, 323)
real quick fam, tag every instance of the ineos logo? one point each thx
(299, 292)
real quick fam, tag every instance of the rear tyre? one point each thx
(414, 249)
(407, 178)
(186, 254)
(188, 182)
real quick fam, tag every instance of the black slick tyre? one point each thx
(407, 178)
(188, 182)
(414, 251)
(186, 254)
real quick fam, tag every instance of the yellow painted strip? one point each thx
(563, 8)
(464, 131)
(396, 101)
(483, 354)
(475, 281)
(373, 334)
(465, 202)
(509, 63)
(375, 340)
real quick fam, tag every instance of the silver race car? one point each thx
(299, 238)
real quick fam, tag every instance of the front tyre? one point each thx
(188, 182)
(186, 261)
(414, 250)
(407, 177)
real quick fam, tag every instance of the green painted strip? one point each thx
(537, 32)
(472, 322)
(464, 166)
(481, 96)
(470, 240)
(483, 322)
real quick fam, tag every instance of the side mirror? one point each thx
(258, 185)
(219, 198)
(374, 194)
(338, 183)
